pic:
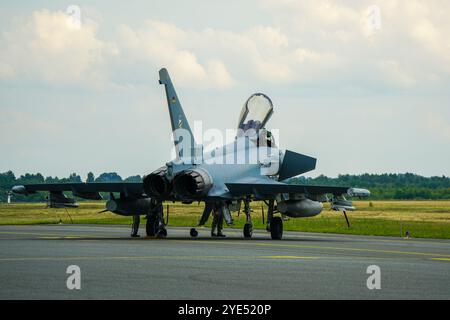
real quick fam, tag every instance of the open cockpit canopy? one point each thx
(256, 112)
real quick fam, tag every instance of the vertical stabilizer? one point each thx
(182, 133)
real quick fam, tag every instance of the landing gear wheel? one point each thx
(193, 233)
(150, 226)
(162, 233)
(276, 228)
(248, 230)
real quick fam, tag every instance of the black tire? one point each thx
(248, 230)
(276, 228)
(193, 233)
(150, 226)
(162, 233)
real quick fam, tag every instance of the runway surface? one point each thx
(34, 259)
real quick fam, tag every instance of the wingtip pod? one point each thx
(19, 189)
(358, 192)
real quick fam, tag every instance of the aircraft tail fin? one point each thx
(183, 137)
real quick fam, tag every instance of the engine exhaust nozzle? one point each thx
(192, 183)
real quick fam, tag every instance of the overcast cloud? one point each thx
(361, 95)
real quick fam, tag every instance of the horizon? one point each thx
(96, 175)
(79, 84)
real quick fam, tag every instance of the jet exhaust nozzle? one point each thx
(157, 184)
(192, 184)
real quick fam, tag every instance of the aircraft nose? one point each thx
(19, 189)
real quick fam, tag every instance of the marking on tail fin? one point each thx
(183, 138)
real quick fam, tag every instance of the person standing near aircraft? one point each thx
(135, 226)
(217, 223)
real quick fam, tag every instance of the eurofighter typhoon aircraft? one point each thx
(248, 169)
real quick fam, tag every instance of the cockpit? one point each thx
(254, 116)
(256, 112)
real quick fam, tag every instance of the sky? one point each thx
(363, 86)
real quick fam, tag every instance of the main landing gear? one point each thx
(274, 224)
(276, 228)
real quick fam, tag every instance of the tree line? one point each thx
(8, 180)
(387, 186)
(406, 186)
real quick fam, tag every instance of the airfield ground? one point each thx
(34, 260)
(423, 219)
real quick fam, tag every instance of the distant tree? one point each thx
(31, 178)
(133, 179)
(51, 180)
(382, 186)
(73, 178)
(388, 186)
(90, 177)
(109, 177)
(7, 179)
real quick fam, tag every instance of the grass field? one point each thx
(423, 219)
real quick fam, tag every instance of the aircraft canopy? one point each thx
(256, 112)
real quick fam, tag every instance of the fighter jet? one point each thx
(250, 168)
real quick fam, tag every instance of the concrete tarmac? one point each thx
(34, 260)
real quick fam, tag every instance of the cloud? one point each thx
(319, 43)
(411, 38)
(46, 48)
(394, 74)
(325, 67)
(157, 44)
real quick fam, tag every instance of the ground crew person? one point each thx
(217, 223)
(135, 226)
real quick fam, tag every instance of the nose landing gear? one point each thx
(193, 232)
(248, 227)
